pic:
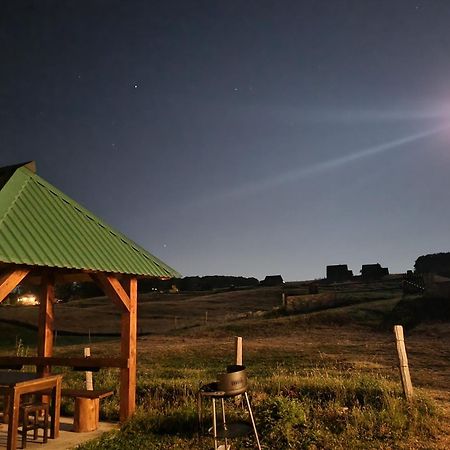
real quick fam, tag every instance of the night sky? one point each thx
(240, 137)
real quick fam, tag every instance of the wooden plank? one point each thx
(128, 351)
(10, 280)
(12, 361)
(403, 362)
(112, 287)
(46, 321)
(100, 393)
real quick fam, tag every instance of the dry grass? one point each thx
(158, 313)
(336, 341)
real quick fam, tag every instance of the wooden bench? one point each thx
(87, 407)
(86, 402)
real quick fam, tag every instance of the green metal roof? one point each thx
(41, 226)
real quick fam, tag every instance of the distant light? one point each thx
(135, 86)
(28, 300)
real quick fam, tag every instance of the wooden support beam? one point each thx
(10, 280)
(128, 351)
(112, 287)
(127, 302)
(46, 321)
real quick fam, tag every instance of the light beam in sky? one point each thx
(335, 163)
(350, 116)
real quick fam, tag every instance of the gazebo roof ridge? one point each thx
(6, 172)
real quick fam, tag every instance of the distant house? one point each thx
(373, 271)
(338, 272)
(272, 280)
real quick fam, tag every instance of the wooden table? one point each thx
(16, 384)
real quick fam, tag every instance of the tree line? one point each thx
(438, 263)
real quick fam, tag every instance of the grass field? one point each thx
(326, 379)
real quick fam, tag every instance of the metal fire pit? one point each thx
(229, 384)
(234, 382)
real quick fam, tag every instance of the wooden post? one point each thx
(283, 300)
(238, 351)
(126, 300)
(128, 350)
(206, 317)
(89, 381)
(46, 321)
(403, 363)
(238, 361)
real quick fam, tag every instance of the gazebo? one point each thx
(47, 236)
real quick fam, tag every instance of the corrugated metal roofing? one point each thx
(41, 226)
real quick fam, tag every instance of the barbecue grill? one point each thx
(230, 384)
(234, 382)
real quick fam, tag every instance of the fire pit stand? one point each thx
(230, 384)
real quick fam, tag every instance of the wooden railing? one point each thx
(77, 363)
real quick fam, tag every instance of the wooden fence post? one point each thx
(89, 381)
(403, 363)
(238, 360)
(238, 351)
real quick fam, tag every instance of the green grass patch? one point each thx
(316, 410)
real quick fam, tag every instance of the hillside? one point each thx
(157, 313)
